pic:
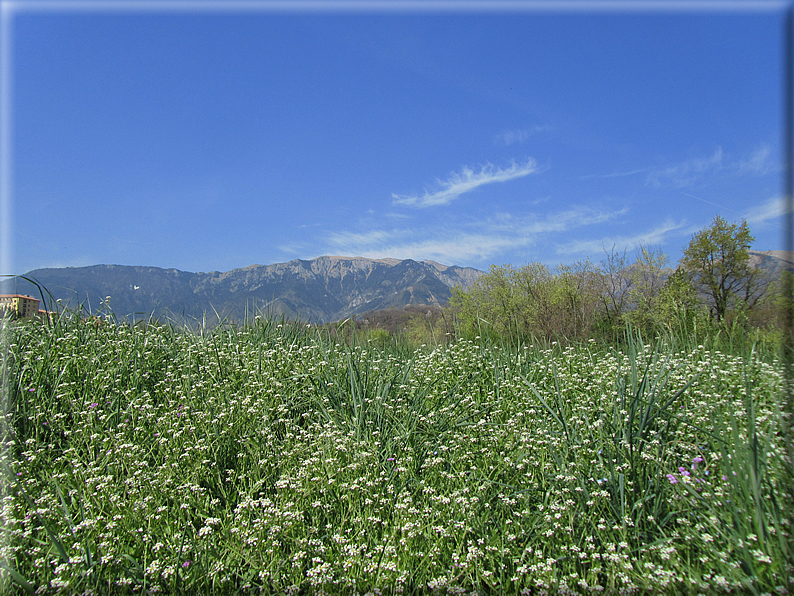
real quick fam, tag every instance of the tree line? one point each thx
(715, 285)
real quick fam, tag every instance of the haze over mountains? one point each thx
(320, 290)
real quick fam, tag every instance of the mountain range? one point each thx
(774, 262)
(321, 290)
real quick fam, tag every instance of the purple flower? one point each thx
(389, 459)
(186, 564)
(672, 479)
(683, 471)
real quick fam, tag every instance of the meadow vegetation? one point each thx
(268, 458)
(272, 457)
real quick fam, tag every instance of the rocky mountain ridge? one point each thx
(320, 290)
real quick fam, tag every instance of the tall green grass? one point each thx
(270, 457)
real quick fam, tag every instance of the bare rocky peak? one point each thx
(323, 289)
(337, 266)
(340, 267)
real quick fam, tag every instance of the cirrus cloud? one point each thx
(698, 170)
(466, 181)
(476, 239)
(655, 236)
(769, 210)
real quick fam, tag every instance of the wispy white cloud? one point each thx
(519, 135)
(758, 215)
(657, 235)
(480, 240)
(294, 248)
(685, 173)
(573, 218)
(757, 163)
(454, 249)
(558, 221)
(696, 170)
(509, 137)
(486, 239)
(466, 181)
(616, 174)
(353, 239)
(770, 210)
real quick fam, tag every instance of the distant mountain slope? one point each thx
(773, 261)
(320, 290)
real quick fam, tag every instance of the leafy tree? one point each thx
(719, 262)
(530, 302)
(534, 287)
(679, 306)
(648, 279)
(489, 305)
(577, 295)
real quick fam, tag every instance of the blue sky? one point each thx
(180, 135)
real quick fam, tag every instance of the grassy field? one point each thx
(266, 458)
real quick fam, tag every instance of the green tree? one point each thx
(531, 301)
(490, 305)
(533, 283)
(576, 297)
(679, 307)
(648, 278)
(719, 262)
